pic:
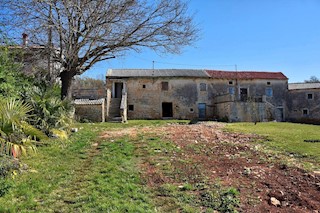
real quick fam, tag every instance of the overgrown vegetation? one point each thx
(51, 112)
(13, 83)
(30, 109)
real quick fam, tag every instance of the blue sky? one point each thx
(255, 35)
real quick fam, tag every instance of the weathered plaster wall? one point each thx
(93, 113)
(267, 108)
(146, 96)
(255, 88)
(242, 111)
(297, 102)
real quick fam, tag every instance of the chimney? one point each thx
(24, 39)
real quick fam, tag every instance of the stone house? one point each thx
(195, 94)
(303, 103)
(157, 94)
(249, 96)
(37, 61)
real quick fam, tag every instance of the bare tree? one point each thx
(313, 79)
(84, 32)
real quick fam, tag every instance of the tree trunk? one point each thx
(66, 80)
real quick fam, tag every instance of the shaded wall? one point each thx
(90, 112)
(298, 103)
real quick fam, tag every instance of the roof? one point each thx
(297, 86)
(218, 74)
(246, 75)
(88, 102)
(156, 73)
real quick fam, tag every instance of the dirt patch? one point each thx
(264, 183)
(234, 160)
(116, 133)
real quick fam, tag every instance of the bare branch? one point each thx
(88, 31)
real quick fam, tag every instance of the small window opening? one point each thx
(230, 82)
(269, 92)
(305, 112)
(144, 86)
(191, 109)
(131, 107)
(268, 83)
(165, 86)
(310, 96)
(203, 87)
(231, 90)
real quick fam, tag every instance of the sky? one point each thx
(243, 35)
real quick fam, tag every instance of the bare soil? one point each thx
(235, 160)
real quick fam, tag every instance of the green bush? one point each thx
(7, 165)
(14, 139)
(13, 82)
(5, 186)
(51, 112)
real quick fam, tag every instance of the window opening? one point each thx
(164, 86)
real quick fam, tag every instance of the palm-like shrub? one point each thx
(16, 135)
(51, 112)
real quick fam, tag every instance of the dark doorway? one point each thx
(243, 94)
(202, 110)
(118, 86)
(279, 114)
(167, 109)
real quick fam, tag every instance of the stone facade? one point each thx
(197, 94)
(250, 99)
(147, 99)
(303, 103)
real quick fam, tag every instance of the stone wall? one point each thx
(186, 94)
(146, 97)
(90, 110)
(302, 107)
(242, 111)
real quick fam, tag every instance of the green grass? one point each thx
(73, 176)
(285, 137)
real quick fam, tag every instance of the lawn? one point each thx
(149, 166)
(286, 137)
(83, 174)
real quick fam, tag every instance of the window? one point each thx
(243, 94)
(309, 96)
(165, 86)
(203, 87)
(305, 112)
(131, 107)
(230, 82)
(269, 92)
(231, 90)
(144, 86)
(268, 83)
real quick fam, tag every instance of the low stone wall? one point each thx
(90, 110)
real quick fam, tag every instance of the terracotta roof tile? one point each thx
(245, 75)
